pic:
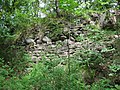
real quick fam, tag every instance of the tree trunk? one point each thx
(57, 8)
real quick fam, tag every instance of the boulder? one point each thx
(29, 41)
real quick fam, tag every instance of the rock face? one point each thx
(62, 47)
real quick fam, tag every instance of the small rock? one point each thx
(79, 26)
(53, 46)
(34, 58)
(36, 52)
(36, 46)
(39, 58)
(68, 41)
(92, 22)
(60, 51)
(72, 46)
(71, 51)
(37, 55)
(46, 39)
(64, 54)
(29, 41)
(116, 36)
(72, 39)
(78, 45)
(63, 38)
(76, 34)
(40, 48)
(64, 48)
(53, 42)
(30, 52)
(38, 41)
(59, 42)
(44, 44)
(74, 30)
(49, 43)
(66, 30)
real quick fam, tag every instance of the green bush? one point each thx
(14, 59)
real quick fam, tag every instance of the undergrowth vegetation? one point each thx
(52, 75)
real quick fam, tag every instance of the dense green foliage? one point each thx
(90, 68)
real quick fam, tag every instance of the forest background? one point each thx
(89, 29)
